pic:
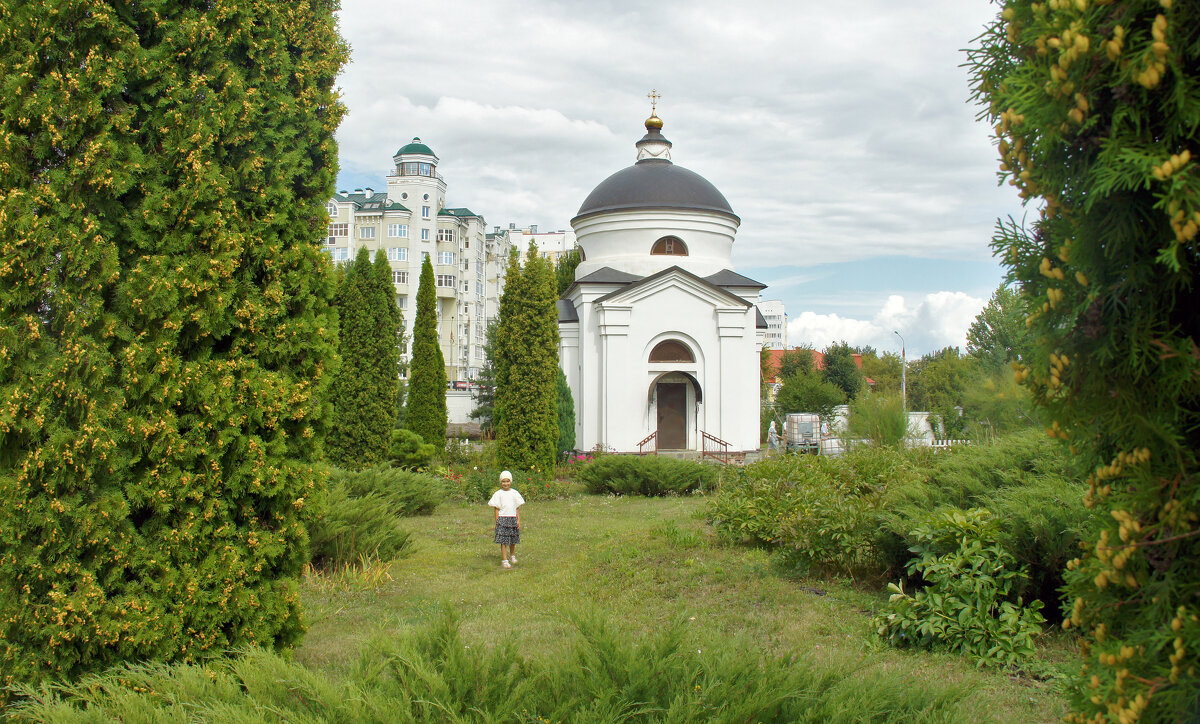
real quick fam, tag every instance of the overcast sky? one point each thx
(840, 133)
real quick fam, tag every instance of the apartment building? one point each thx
(552, 245)
(773, 311)
(411, 221)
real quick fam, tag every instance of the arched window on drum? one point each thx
(671, 351)
(669, 246)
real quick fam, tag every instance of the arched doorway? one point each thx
(674, 397)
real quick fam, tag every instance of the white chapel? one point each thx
(660, 337)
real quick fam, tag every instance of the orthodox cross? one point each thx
(653, 95)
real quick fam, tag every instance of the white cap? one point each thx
(506, 476)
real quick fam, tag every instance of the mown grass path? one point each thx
(644, 562)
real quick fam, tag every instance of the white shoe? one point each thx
(513, 559)
(505, 564)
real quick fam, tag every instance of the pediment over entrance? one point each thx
(674, 278)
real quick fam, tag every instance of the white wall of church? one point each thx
(622, 241)
(608, 369)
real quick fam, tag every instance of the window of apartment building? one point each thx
(336, 230)
(445, 257)
(399, 277)
(398, 231)
(402, 303)
(479, 289)
(466, 285)
(479, 353)
(424, 212)
(445, 235)
(397, 253)
(424, 256)
(670, 246)
(425, 169)
(424, 234)
(446, 280)
(339, 254)
(479, 271)
(331, 208)
(366, 232)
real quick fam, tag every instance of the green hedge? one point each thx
(646, 475)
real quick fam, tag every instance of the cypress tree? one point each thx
(166, 329)
(365, 386)
(426, 414)
(485, 393)
(1096, 109)
(566, 415)
(508, 332)
(564, 270)
(528, 430)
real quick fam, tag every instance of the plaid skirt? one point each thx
(507, 532)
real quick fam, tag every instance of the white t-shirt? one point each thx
(507, 501)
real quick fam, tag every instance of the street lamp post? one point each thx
(903, 372)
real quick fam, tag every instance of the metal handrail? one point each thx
(720, 448)
(641, 445)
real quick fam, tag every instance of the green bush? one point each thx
(434, 675)
(970, 603)
(646, 475)
(408, 450)
(404, 492)
(822, 513)
(353, 528)
(854, 515)
(880, 420)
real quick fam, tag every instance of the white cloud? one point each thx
(938, 320)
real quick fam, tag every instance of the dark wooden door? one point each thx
(672, 415)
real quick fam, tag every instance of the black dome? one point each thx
(655, 184)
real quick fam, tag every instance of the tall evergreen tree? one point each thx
(365, 386)
(528, 429)
(166, 325)
(566, 415)
(508, 331)
(1096, 108)
(564, 270)
(426, 414)
(485, 392)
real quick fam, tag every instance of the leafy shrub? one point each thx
(408, 450)
(880, 420)
(404, 492)
(821, 512)
(354, 528)
(476, 485)
(970, 603)
(854, 515)
(646, 475)
(434, 675)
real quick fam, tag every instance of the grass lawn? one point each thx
(643, 563)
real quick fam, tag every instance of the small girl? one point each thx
(507, 503)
